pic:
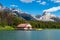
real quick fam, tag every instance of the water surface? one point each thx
(30, 35)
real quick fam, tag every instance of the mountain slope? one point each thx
(47, 16)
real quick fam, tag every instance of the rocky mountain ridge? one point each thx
(47, 16)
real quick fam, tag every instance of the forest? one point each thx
(8, 21)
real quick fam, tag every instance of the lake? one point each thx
(30, 35)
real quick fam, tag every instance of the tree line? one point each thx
(45, 24)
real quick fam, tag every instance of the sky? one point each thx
(34, 7)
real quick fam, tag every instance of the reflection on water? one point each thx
(23, 35)
(30, 35)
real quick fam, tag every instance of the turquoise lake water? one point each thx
(30, 35)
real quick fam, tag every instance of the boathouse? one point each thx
(25, 26)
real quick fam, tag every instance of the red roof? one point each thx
(22, 25)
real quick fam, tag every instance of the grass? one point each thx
(38, 28)
(7, 28)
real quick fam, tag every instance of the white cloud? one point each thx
(56, 1)
(13, 5)
(38, 1)
(53, 9)
(27, 1)
(43, 3)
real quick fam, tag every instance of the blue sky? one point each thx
(34, 6)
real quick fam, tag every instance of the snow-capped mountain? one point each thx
(23, 15)
(47, 16)
(56, 19)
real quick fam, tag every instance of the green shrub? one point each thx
(7, 28)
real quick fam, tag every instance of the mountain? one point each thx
(27, 16)
(38, 16)
(24, 15)
(56, 19)
(1, 6)
(47, 16)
